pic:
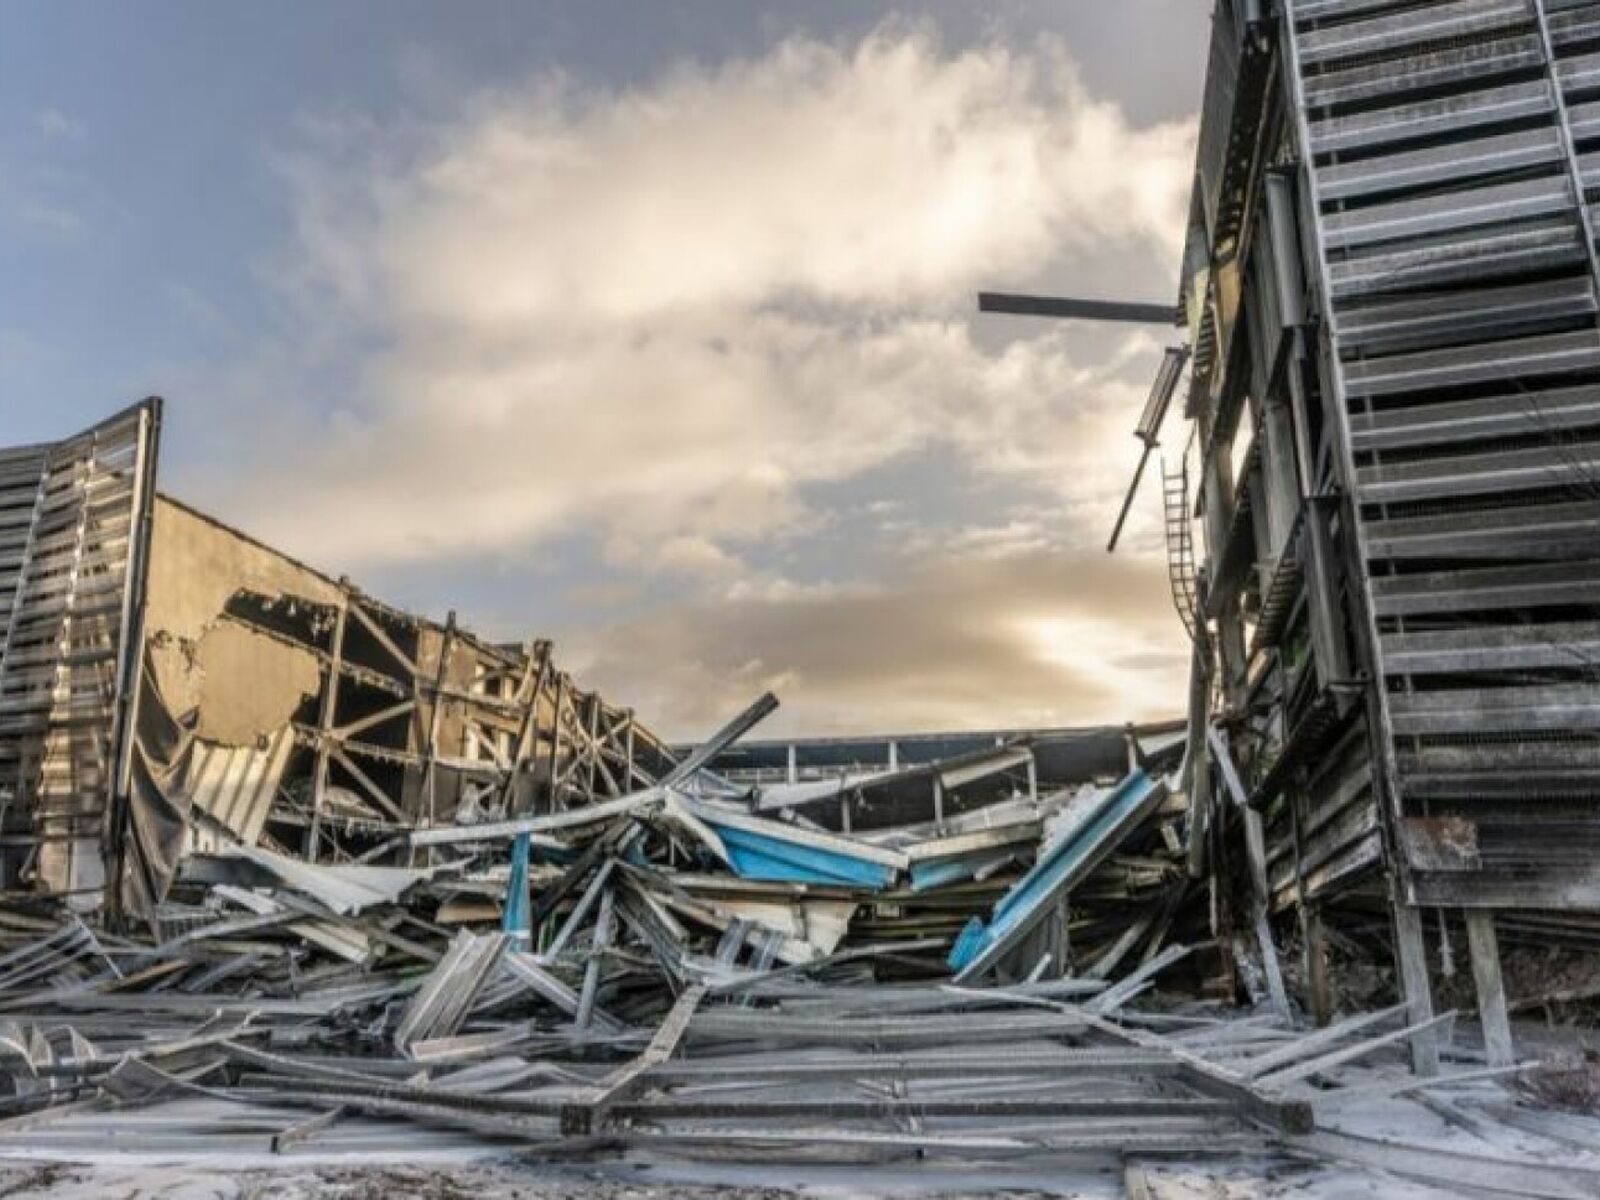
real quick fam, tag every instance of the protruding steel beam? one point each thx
(1073, 309)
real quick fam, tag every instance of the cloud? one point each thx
(668, 321)
(664, 313)
(36, 178)
(38, 215)
(1035, 638)
(884, 175)
(19, 349)
(56, 126)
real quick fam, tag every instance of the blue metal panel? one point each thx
(968, 942)
(773, 859)
(515, 919)
(926, 875)
(937, 874)
(1066, 861)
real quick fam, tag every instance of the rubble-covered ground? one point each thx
(516, 1181)
(1530, 1135)
(266, 1049)
(468, 1175)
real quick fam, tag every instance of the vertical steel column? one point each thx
(1568, 148)
(330, 701)
(628, 744)
(131, 663)
(1337, 405)
(1492, 1013)
(1411, 957)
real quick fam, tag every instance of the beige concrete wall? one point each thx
(244, 684)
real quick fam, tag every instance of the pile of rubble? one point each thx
(248, 1031)
(536, 977)
(592, 920)
(283, 866)
(699, 970)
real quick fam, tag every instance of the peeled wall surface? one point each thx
(250, 685)
(196, 568)
(266, 701)
(235, 689)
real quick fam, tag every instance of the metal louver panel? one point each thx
(1451, 159)
(74, 522)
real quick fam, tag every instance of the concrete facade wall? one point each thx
(243, 683)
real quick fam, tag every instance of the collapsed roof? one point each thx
(155, 662)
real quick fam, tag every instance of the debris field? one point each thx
(289, 874)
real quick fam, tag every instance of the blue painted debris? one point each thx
(938, 873)
(757, 857)
(1064, 864)
(516, 919)
(968, 942)
(771, 852)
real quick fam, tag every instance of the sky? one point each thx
(648, 328)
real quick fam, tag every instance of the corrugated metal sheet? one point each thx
(1450, 177)
(344, 889)
(74, 519)
(236, 785)
(1093, 835)
(764, 849)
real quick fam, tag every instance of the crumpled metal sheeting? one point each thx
(1078, 849)
(63, 956)
(462, 1041)
(985, 1077)
(780, 884)
(342, 888)
(446, 995)
(672, 925)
